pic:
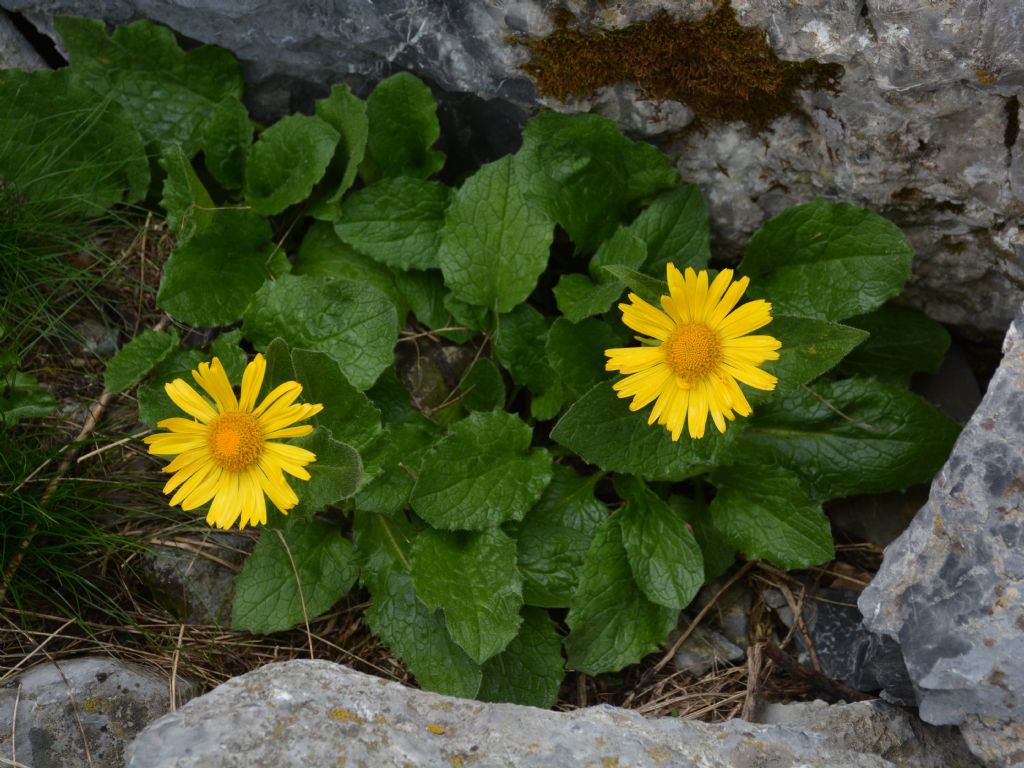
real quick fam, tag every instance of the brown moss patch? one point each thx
(720, 69)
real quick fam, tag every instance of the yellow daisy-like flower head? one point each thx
(225, 451)
(697, 352)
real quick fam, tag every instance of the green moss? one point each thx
(720, 69)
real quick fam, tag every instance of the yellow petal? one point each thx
(191, 483)
(633, 359)
(697, 413)
(257, 512)
(214, 379)
(252, 381)
(674, 418)
(290, 458)
(715, 293)
(171, 443)
(751, 376)
(204, 491)
(676, 286)
(732, 295)
(648, 320)
(182, 460)
(186, 426)
(274, 418)
(282, 395)
(190, 401)
(751, 316)
(281, 434)
(276, 487)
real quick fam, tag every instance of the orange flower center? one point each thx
(235, 440)
(693, 350)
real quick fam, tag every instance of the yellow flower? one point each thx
(225, 451)
(700, 350)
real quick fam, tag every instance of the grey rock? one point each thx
(52, 707)
(845, 651)
(924, 127)
(320, 713)
(15, 51)
(950, 588)
(703, 650)
(193, 577)
(904, 735)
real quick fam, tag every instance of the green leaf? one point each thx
(481, 474)
(382, 544)
(718, 554)
(402, 450)
(267, 591)
(21, 397)
(418, 635)
(169, 93)
(664, 556)
(335, 475)
(396, 221)
(827, 260)
(346, 113)
(64, 147)
(611, 621)
(472, 577)
(809, 348)
(766, 514)
(290, 157)
(482, 388)
(579, 297)
(226, 140)
(576, 353)
(902, 342)
(555, 535)
(354, 323)
(587, 176)
(623, 248)
(154, 404)
(232, 357)
(189, 206)
(603, 431)
(398, 617)
(212, 277)
(675, 229)
(402, 129)
(519, 345)
(347, 413)
(850, 436)
(322, 254)
(137, 358)
(529, 671)
(650, 289)
(494, 246)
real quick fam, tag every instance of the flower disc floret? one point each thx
(227, 453)
(697, 352)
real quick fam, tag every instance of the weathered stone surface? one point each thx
(303, 713)
(910, 742)
(193, 577)
(951, 588)
(15, 50)
(924, 126)
(704, 650)
(103, 701)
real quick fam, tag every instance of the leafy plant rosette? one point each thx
(475, 468)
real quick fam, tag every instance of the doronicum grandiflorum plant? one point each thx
(509, 512)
